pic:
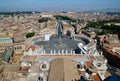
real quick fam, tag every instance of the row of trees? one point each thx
(106, 29)
(65, 18)
(15, 13)
(113, 29)
(44, 19)
(101, 23)
(62, 17)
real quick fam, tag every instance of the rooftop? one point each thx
(64, 69)
(57, 69)
(12, 68)
(113, 49)
(7, 55)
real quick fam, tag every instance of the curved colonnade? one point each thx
(87, 47)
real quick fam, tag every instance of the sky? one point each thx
(24, 5)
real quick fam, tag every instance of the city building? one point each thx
(11, 72)
(67, 68)
(2, 50)
(6, 42)
(112, 53)
(60, 50)
(7, 56)
(33, 50)
(19, 49)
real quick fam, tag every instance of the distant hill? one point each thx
(107, 10)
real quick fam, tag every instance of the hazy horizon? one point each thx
(53, 5)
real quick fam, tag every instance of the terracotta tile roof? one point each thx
(33, 48)
(96, 77)
(118, 73)
(109, 50)
(88, 64)
(25, 69)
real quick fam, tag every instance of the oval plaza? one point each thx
(64, 42)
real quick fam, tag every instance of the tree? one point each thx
(28, 35)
